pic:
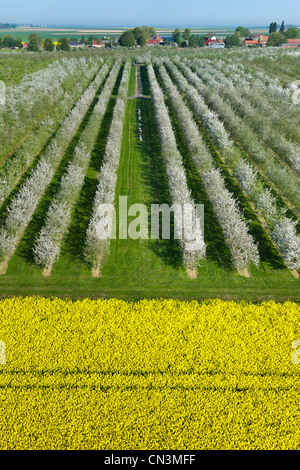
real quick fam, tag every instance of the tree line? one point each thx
(276, 38)
(138, 35)
(36, 43)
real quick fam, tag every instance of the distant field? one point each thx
(23, 33)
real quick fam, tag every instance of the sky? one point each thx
(157, 13)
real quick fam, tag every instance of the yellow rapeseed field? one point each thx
(153, 374)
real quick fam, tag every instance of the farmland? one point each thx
(57, 166)
(56, 33)
(90, 375)
(131, 342)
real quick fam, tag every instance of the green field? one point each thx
(56, 33)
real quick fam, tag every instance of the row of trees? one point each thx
(187, 39)
(26, 199)
(35, 43)
(9, 41)
(283, 229)
(276, 38)
(240, 242)
(139, 36)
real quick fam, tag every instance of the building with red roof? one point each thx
(155, 41)
(213, 42)
(292, 43)
(258, 40)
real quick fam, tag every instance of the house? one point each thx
(258, 40)
(25, 45)
(76, 44)
(251, 42)
(292, 43)
(263, 40)
(97, 44)
(155, 41)
(213, 42)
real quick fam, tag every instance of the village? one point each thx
(148, 37)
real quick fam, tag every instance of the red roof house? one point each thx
(258, 40)
(214, 42)
(155, 41)
(251, 42)
(97, 43)
(292, 43)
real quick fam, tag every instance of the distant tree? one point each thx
(186, 34)
(147, 31)
(1, 43)
(142, 39)
(273, 27)
(82, 40)
(292, 33)
(127, 39)
(176, 36)
(18, 43)
(63, 44)
(137, 32)
(201, 41)
(8, 41)
(48, 45)
(282, 28)
(196, 41)
(234, 40)
(89, 40)
(34, 43)
(152, 31)
(244, 32)
(275, 39)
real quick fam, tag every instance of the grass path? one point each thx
(141, 178)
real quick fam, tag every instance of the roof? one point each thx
(251, 42)
(213, 41)
(294, 41)
(155, 40)
(263, 39)
(259, 39)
